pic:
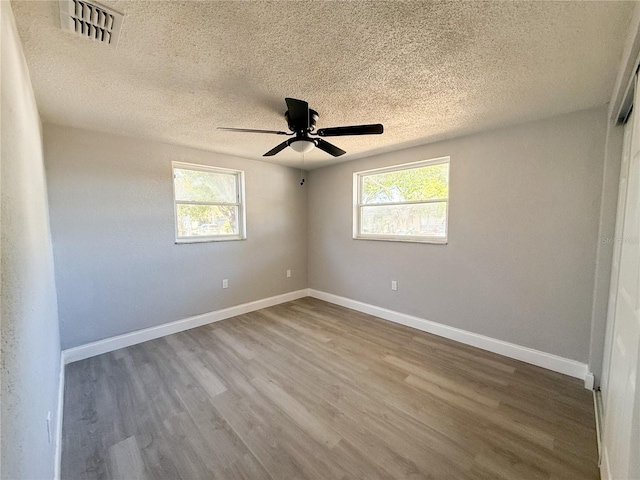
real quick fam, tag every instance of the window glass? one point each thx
(404, 203)
(209, 203)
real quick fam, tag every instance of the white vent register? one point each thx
(91, 20)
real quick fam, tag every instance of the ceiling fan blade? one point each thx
(298, 112)
(374, 129)
(252, 130)
(277, 149)
(329, 148)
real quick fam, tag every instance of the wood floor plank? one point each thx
(345, 407)
(235, 343)
(294, 409)
(194, 363)
(214, 434)
(273, 445)
(125, 461)
(432, 382)
(311, 390)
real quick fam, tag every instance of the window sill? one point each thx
(233, 238)
(379, 238)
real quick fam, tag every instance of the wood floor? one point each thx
(308, 389)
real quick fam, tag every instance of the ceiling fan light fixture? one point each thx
(302, 146)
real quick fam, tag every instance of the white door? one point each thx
(615, 264)
(621, 442)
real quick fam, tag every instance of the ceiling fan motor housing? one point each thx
(313, 118)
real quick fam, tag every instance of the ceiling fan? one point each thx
(302, 123)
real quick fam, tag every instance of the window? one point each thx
(209, 203)
(406, 203)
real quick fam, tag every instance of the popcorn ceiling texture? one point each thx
(426, 70)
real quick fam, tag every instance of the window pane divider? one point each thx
(412, 202)
(189, 202)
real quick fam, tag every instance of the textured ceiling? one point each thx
(426, 70)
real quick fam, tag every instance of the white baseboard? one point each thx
(549, 361)
(126, 340)
(58, 437)
(589, 381)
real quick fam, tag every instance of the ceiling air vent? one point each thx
(91, 20)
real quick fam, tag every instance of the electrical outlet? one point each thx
(49, 426)
(288, 273)
(394, 285)
(225, 283)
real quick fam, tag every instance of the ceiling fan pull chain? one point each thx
(302, 171)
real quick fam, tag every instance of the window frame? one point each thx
(357, 204)
(240, 203)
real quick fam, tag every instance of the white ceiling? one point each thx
(426, 70)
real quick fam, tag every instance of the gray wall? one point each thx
(523, 233)
(117, 266)
(30, 342)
